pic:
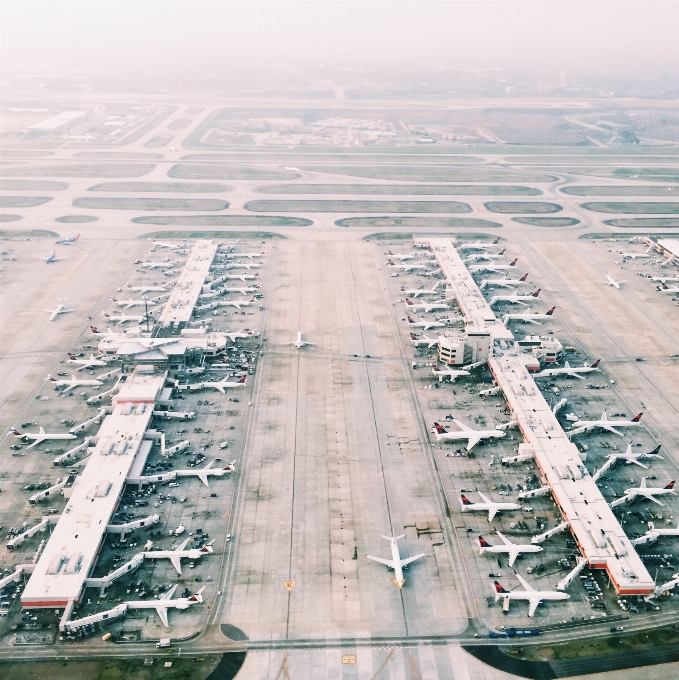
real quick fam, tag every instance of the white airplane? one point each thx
(50, 258)
(69, 241)
(425, 325)
(534, 597)
(240, 277)
(166, 602)
(41, 436)
(629, 457)
(208, 471)
(480, 257)
(571, 371)
(396, 563)
(493, 267)
(59, 309)
(473, 437)
(242, 291)
(512, 549)
(648, 492)
(236, 303)
(170, 264)
(406, 267)
(146, 289)
(612, 282)
(285, 167)
(166, 244)
(244, 265)
(665, 279)
(516, 298)
(252, 256)
(73, 382)
(236, 335)
(604, 424)
(486, 505)
(423, 340)
(123, 318)
(221, 385)
(422, 291)
(401, 257)
(528, 317)
(633, 256)
(666, 289)
(85, 363)
(299, 343)
(427, 306)
(478, 245)
(176, 555)
(503, 283)
(451, 373)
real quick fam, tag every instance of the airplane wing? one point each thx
(643, 483)
(525, 584)
(462, 426)
(408, 560)
(389, 563)
(472, 442)
(162, 612)
(513, 554)
(651, 497)
(203, 476)
(533, 605)
(504, 539)
(491, 514)
(484, 498)
(610, 428)
(168, 595)
(184, 544)
(177, 564)
(574, 375)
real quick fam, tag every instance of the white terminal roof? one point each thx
(159, 349)
(671, 245)
(179, 307)
(58, 120)
(597, 531)
(73, 548)
(470, 300)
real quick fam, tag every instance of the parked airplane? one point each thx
(604, 424)
(180, 551)
(478, 245)
(665, 279)
(67, 241)
(571, 371)
(59, 309)
(406, 267)
(451, 373)
(534, 597)
(425, 325)
(146, 289)
(41, 436)
(503, 283)
(486, 505)
(73, 382)
(628, 457)
(299, 343)
(516, 298)
(493, 267)
(666, 289)
(123, 318)
(423, 340)
(612, 282)
(396, 563)
(240, 277)
(252, 256)
(512, 549)
(85, 363)
(221, 385)
(243, 265)
(648, 492)
(480, 257)
(633, 256)
(236, 303)
(170, 264)
(528, 316)
(402, 256)
(166, 602)
(167, 244)
(422, 291)
(473, 437)
(427, 306)
(51, 258)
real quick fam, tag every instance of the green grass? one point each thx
(118, 156)
(112, 203)
(194, 110)
(640, 208)
(31, 185)
(431, 173)
(76, 219)
(401, 236)
(164, 187)
(213, 234)
(179, 124)
(621, 191)
(82, 170)
(23, 201)
(524, 207)
(10, 218)
(401, 189)
(547, 221)
(182, 171)
(157, 142)
(424, 222)
(644, 222)
(358, 206)
(225, 221)
(28, 233)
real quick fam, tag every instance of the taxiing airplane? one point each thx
(299, 343)
(648, 492)
(396, 563)
(59, 309)
(41, 436)
(427, 306)
(493, 267)
(85, 363)
(486, 506)
(166, 602)
(425, 325)
(534, 597)
(604, 424)
(516, 298)
(72, 383)
(571, 371)
(628, 457)
(473, 437)
(50, 258)
(67, 241)
(175, 556)
(512, 549)
(451, 373)
(529, 317)
(503, 283)
(612, 282)
(422, 291)
(423, 340)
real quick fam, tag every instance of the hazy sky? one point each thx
(152, 35)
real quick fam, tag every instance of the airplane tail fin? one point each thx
(536, 293)
(655, 451)
(410, 320)
(413, 336)
(465, 500)
(596, 364)
(670, 485)
(637, 417)
(513, 262)
(496, 241)
(524, 277)
(94, 330)
(408, 302)
(440, 429)
(499, 590)
(502, 252)
(549, 312)
(242, 380)
(198, 597)
(483, 543)
(71, 356)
